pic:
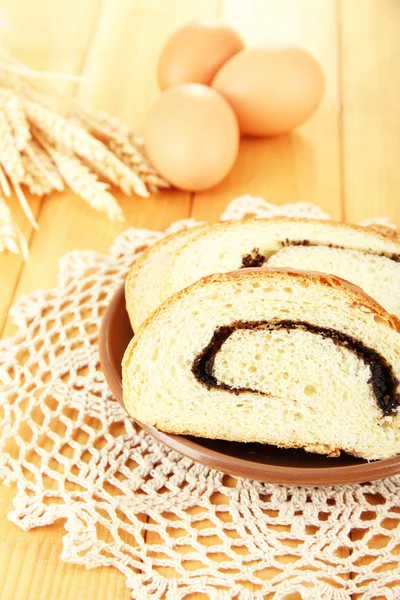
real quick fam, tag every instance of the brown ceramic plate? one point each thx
(253, 461)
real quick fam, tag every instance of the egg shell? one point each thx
(196, 51)
(271, 89)
(192, 136)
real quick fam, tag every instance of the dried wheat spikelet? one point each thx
(4, 185)
(110, 127)
(135, 160)
(66, 134)
(43, 162)
(10, 236)
(84, 183)
(10, 157)
(13, 109)
(48, 142)
(125, 145)
(36, 181)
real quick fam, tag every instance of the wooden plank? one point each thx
(124, 41)
(304, 166)
(370, 41)
(56, 40)
(122, 62)
(298, 167)
(178, 529)
(31, 567)
(11, 265)
(50, 36)
(135, 58)
(67, 223)
(370, 34)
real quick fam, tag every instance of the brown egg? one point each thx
(271, 89)
(192, 136)
(196, 51)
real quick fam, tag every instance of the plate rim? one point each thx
(239, 467)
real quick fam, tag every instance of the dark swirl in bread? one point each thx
(384, 382)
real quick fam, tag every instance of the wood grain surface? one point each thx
(346, 159)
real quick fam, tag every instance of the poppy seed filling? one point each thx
(382, 379)
(255, 259)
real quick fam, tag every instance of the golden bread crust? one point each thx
(355, 293)
(137, 266)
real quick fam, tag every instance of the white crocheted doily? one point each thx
(171, 526)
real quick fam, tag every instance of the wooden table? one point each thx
(346, 159)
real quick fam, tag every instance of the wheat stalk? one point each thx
(35, 179)
(13, 110)
(47, 140)
(9, 156)
(43, 163)
(5, 186)
(134, 159)
(66, 134)
(109, 127)
(84, 183)
(11, 160)
(9, 63)
(23, 202)
(125, 145)
(10, 236)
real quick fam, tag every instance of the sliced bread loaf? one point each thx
(364, 256)
(294, 359)
(145, 279)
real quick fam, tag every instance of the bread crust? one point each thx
(355, 293)
(379, 232)
(137, 266)
(385, 229)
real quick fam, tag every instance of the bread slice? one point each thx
(145, 279)
(364, 256)
(378, 275)
(294, 359)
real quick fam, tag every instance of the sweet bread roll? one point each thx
(145, 279)
(361, 255)
(294, 359)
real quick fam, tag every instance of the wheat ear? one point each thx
(11, 161)
(11, 237)
(36, 181)
(42, 159)
(66, 134)
(136, 161)
(23, 202)
(125, 145)
(5, 186)
(9, 155)
(84, 183)
(13, 110)
(109, 127)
